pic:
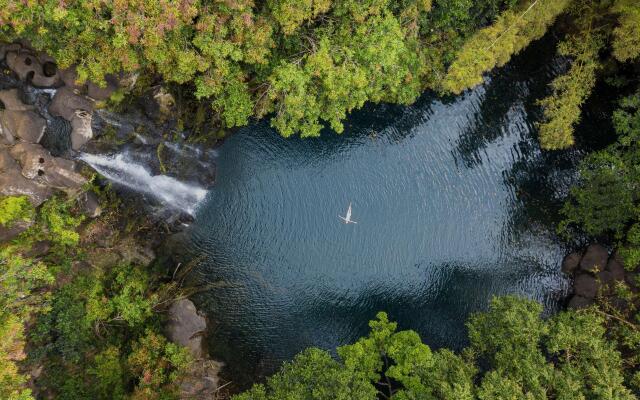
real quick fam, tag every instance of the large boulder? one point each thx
(11, 100)
(70, 78)
(605, 279)
(6, 136)
(579, 302)
(11, 231)
(594, 259)
(586, 286)
(12, 183)
(39, 249)
(50, 69)
(81, 131)
(616, 267)
(22, 63)
(8, 47)
(28, 67)
(32, 158)
(102, 92)
(571, 263)
(38, 164)
(187, 327)
(89, 204)
(26, 125)
(67, 101)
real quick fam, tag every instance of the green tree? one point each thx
(514, 354)
(626, 36)
(494, 45)
(13, 209)
(606, 199)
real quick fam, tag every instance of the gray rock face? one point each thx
(202, 382)
(66, 102)
(38, 164)
(571, 262)
(81, 131)
(186, 327)
(32, 158)
(585, 285)
(26, 125)
(12, 183)
(594, 259)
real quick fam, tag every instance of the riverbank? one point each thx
(82, 286)
(599, 277)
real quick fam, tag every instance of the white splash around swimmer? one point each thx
(170, 191)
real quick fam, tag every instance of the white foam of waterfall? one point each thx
(122, 170)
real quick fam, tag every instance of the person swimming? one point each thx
(347, 219)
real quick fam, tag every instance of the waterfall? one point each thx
(123, 170)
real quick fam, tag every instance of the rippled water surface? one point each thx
(454, 203)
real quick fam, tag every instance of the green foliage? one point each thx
(159, 364)
(562, 108)
(290, 14)
(606, 200)
(306, 63)
(15, 208)
(603, 202)
(351, 64)
(106, 321)
(11, 341)
(494, 45)
(509, 338)
(589, 31)
(60, 224)
(626, 36)
(108, 373)
(94, 329)
(519, 355)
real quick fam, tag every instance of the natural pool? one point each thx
(454, 201)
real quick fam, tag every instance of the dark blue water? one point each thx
(454, 201)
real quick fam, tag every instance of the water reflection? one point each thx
(455, 203)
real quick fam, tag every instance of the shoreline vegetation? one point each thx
(84, 308)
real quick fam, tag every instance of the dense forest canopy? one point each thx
(309, 63)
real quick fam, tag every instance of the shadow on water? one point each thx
(455, 203)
